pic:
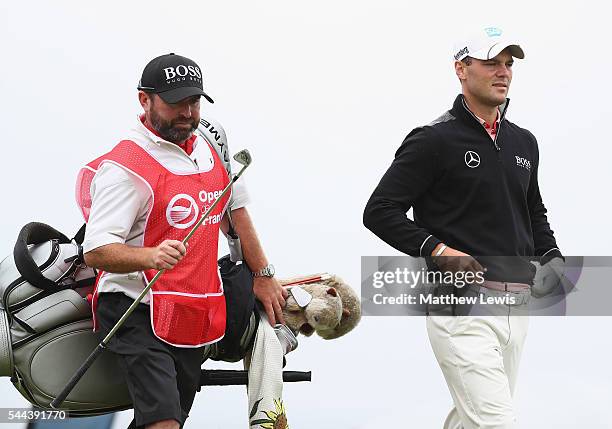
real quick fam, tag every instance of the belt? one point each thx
(506, 287)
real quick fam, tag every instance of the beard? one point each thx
(168, 129)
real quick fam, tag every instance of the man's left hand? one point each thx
(272, 296)
(548, 277)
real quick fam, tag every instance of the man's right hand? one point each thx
(454, 261)
(166, 255)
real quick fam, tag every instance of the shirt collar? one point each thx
(491, 129)
(485, 124)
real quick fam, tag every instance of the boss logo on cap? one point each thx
(183, 71)
(173, 78)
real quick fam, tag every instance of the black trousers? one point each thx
(162, 379)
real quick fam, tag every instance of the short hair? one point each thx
(467, 61)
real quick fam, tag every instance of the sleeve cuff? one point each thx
(428, 245)
(99, 241)
(552, 253)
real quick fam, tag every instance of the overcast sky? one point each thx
(322, 93)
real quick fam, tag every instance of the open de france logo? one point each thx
(182, 211)
(472, 159)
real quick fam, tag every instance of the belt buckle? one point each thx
(521, 298)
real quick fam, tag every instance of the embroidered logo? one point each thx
(274, 419)
(472, 159)
(183, 73)
(182, 211)
(493, 32)
(461, 53)
(522, 162)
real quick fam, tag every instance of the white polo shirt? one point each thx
(121, 201)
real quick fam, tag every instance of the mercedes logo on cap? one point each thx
(472, 159)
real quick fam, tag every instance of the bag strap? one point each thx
(78, 239)
(213, 133)
(6, 353)
(80, 235)
(35, 233)
(231, 232)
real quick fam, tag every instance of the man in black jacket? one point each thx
(471, 178)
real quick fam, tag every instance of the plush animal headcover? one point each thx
(333, 310)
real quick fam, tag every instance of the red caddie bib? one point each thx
(186, 303)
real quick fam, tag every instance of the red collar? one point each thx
(492, 129)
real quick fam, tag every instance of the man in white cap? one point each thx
(471, 178)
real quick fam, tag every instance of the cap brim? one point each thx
(175, 95)
(486, 54)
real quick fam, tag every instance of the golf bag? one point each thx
(46, 328)
(46, 324)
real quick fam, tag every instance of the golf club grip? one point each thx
(223, 377)
(77, 376)
(295, 376)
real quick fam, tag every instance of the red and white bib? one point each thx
(187, 302)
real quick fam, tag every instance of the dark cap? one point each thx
(173, 78)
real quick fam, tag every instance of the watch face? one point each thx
(270, 269)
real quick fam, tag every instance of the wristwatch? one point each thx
(267, 271)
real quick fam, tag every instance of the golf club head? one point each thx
(243, 157)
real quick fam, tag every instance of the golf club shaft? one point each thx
(98, 350)
(77, 376)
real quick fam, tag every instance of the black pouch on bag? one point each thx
(237, 281)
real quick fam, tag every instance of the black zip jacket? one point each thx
(474, 194)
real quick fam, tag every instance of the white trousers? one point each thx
(479, 357)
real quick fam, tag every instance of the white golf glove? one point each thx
(548, 277)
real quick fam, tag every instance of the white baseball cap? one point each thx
(486, 44)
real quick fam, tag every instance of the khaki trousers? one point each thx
(479, 357)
